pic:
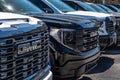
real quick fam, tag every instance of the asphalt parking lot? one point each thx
(108, 67)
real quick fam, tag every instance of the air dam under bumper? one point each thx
(75, 66)
(108, 40)
(46, 74)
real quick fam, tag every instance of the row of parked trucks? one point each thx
(58, 43)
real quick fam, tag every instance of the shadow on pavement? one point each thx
(111, 51)
(83, 78)
(104, 64)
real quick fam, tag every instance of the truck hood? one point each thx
(90, 15)
(116, 14)
(14, 24)
(14, 17)
(64, 21)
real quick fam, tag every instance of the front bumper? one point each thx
(107, 40)
(45, 74)
(76, 65)
(47, 77)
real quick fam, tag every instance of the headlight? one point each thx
(68, 38)
(101, 28)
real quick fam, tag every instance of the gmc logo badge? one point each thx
(28, 46)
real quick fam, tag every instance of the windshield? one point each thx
(97, 8)
(115, 8)
(116, 5)
(61, 6)
(87, 7)
(106, 8)
(19, 6)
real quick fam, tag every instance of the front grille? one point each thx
(15, 66)
(110, 27)
(89, 40)
(104, 39)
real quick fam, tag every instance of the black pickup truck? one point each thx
(24, 48)
(117, 16)
(74, 47)
(74, 44)
(108, 36)
(106, 28)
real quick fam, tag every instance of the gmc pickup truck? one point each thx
(117, 16)
(82, 6)
(97, 8)
(74, 46)
(24, 50)
(106, 31)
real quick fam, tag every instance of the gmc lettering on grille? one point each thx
(28, 47)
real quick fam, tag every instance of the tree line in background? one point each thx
(103, 1)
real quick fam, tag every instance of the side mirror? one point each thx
(47, 10)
